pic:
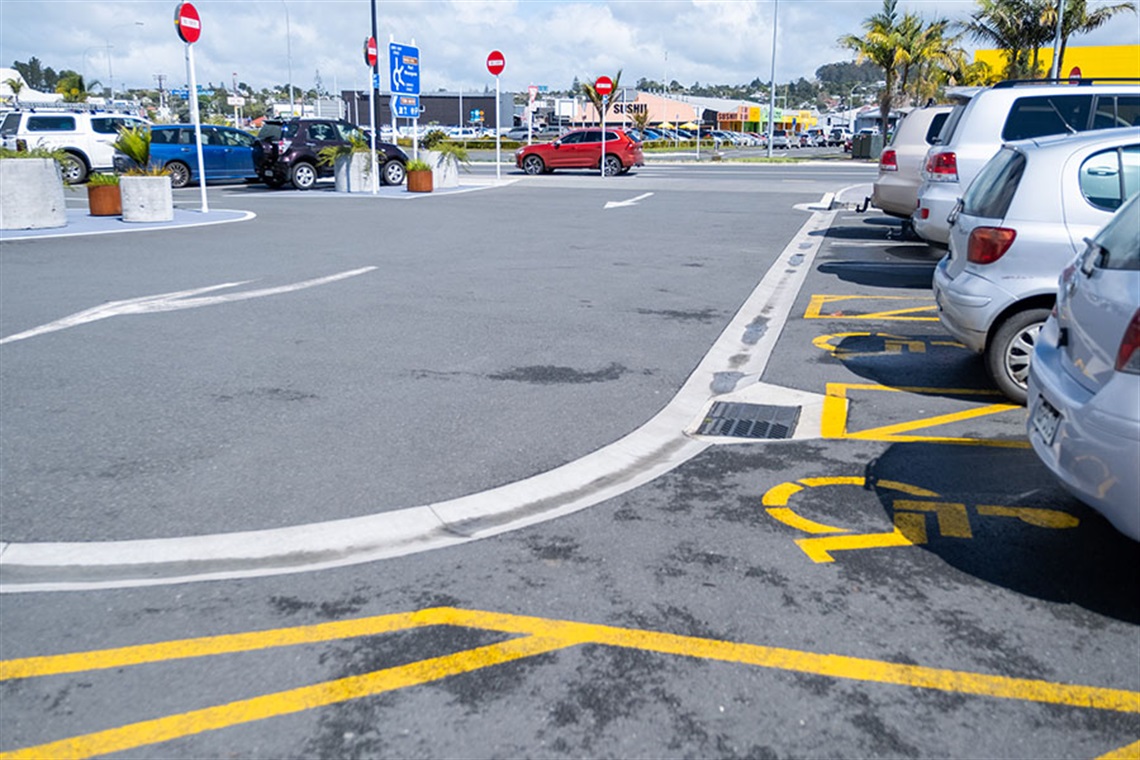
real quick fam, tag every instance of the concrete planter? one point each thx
(147, 199)
(31, 194)
(444, 168)
(353, 173)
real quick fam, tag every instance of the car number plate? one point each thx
(1046, 420)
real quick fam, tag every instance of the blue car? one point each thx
(227, 153)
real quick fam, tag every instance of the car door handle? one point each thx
(1099, 171)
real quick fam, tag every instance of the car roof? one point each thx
(1093, 137)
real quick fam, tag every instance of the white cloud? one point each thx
(545, 41)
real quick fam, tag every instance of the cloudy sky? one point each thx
(545, 42)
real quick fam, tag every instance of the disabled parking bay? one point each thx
(908, 582)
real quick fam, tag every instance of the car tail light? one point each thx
(988, 244)
(942, 167)
(1128, 357)
(888, 161)
(283, 145)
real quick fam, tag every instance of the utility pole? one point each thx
(161, 79)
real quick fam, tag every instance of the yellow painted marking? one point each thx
(144, 733)
(1131, 752)
(819, 549)
(911, 525)
(824, 342)
(31, 667)
(953, 519)
(792, 520)
(776, 499)
(539, 636)
(777, 496)
(1042, 518)
(817, 302)
(836, 406)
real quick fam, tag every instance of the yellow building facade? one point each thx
(1097, 61)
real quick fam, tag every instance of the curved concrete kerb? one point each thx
(658, 446)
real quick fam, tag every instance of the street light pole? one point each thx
(109, 47)
(289, 58)
(772, 91)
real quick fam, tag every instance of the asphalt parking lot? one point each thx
(899, 577)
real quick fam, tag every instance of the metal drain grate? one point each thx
(750, 421)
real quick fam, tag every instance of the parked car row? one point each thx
(1035, 191)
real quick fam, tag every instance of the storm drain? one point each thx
(732, 420)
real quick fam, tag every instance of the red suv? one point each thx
(582, 149)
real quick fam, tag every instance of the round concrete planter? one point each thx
(353, 173)
(31, 194)
(444, 168)
(147, 199)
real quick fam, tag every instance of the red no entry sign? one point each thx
(370, 51)
(604, 85)
(496, 63)
(188, 23)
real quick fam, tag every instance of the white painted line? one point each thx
(128, 227)
(174, 302)
(658, 446)
(630, 202)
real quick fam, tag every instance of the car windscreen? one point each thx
(992, 190)
(10, 125)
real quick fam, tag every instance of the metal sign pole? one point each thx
(602, 163)
(197, 126)
(372, 124)
(498, 135)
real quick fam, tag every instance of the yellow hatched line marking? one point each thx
(836, 407)
(815, 308)
(539, 636)
(1131, 752)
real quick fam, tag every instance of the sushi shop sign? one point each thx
(631, 108)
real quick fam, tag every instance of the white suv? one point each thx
(1006, 112)
(86, 138)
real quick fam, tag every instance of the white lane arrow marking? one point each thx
(173, 302)
(630, 202)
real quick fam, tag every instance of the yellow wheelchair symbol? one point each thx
(950, 519)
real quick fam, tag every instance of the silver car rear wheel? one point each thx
(1011, 348)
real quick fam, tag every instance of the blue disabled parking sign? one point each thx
(404, 68)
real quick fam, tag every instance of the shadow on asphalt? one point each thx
(885, 274)
(1090, 565)
(913, 359)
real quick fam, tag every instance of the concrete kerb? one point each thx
(80, 223)
(661, 444)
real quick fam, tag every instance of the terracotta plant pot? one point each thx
(104, 200)
(419, 182)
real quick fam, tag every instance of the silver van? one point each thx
(1006, 112)
(900, 164)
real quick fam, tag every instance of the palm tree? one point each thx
(1015, 27)
(601, 102)
(15, 85)
(1079, 19)
(926, 52)
(880, 45)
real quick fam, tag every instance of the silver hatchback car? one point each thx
(1021, 222)
(1084, 380)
